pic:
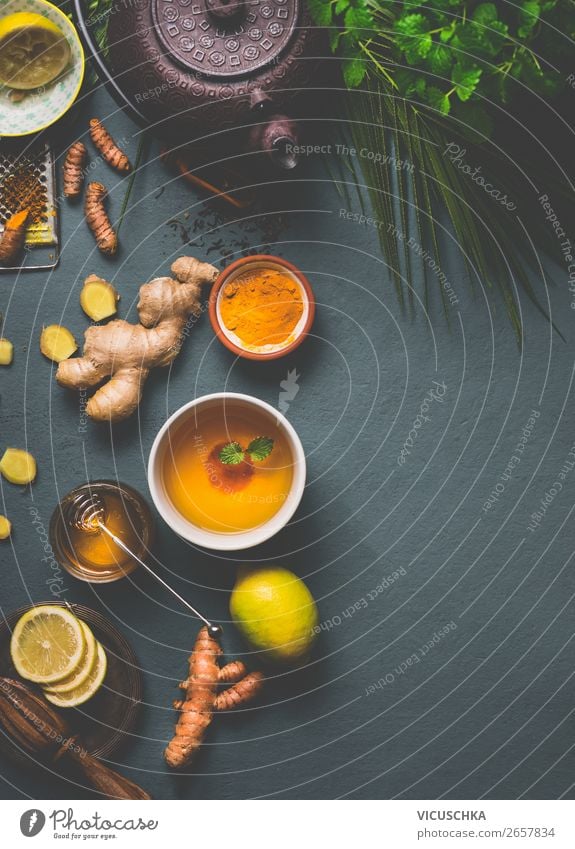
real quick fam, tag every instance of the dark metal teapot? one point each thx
(198, 67)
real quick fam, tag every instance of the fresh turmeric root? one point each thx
(202, 699)
(105, 144)
(126, 352)
(74, 170)
(14, 236)
(98, 220)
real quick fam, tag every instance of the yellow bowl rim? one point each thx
(72, 29)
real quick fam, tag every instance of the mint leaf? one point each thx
(334, 37)
(358, 17)
(437, 99)
(232, 454)
(321, 12)
(528, 17)
(440, 59)
(260, 447)
(354, 71)
(465, 79)
(407, 28)
(410, 82)
(420, 47)
(485, 13)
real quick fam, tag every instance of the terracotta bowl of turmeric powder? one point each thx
(261, 307)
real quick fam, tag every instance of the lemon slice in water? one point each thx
(86, 690)
(47, 644)
(33, 51)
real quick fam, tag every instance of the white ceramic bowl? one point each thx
(210, 539)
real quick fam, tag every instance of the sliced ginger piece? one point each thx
(98, 298)
(6, 352)
(5, 527)
(57, 343)
(18, 466)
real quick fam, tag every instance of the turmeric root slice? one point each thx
(105, 144)
(74, 165)
(98, 220)
(57, 343)
(5, 527)
(18, 466)
(98, 298)
(14, 236)
(6, 352)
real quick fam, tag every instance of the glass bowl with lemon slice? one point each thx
(41, 66)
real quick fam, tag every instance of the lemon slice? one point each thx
(86, 667)
(47, 644)
(86, 690)
(33, 51)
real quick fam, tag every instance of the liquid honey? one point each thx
(92, 555)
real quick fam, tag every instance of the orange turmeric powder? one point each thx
(262, 306)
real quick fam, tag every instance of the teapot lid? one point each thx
(225, 38)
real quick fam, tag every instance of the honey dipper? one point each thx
(87, 513)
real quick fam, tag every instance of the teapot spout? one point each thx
(278, 139)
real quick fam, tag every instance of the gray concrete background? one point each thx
(488, 709)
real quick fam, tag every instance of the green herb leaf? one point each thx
(440, 59)
(465, 79)
(358, 18)
(232, 454)
(354, 71)
(528, 17)
(485, 13)
(437, 99)
(260, 447)
(321, 12)
(411, 83)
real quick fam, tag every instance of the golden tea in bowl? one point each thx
(227, 471)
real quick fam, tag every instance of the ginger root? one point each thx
(5, 527)
(14, 235)
(6, 352)
(109, 150)
(18, 466)
(98, 298)
(74, 170)
(126, 352)
(97, 218)
(57, 343)
(202, 699)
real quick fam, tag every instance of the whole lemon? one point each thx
(275, 612)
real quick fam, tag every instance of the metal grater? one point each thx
(39, 161)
